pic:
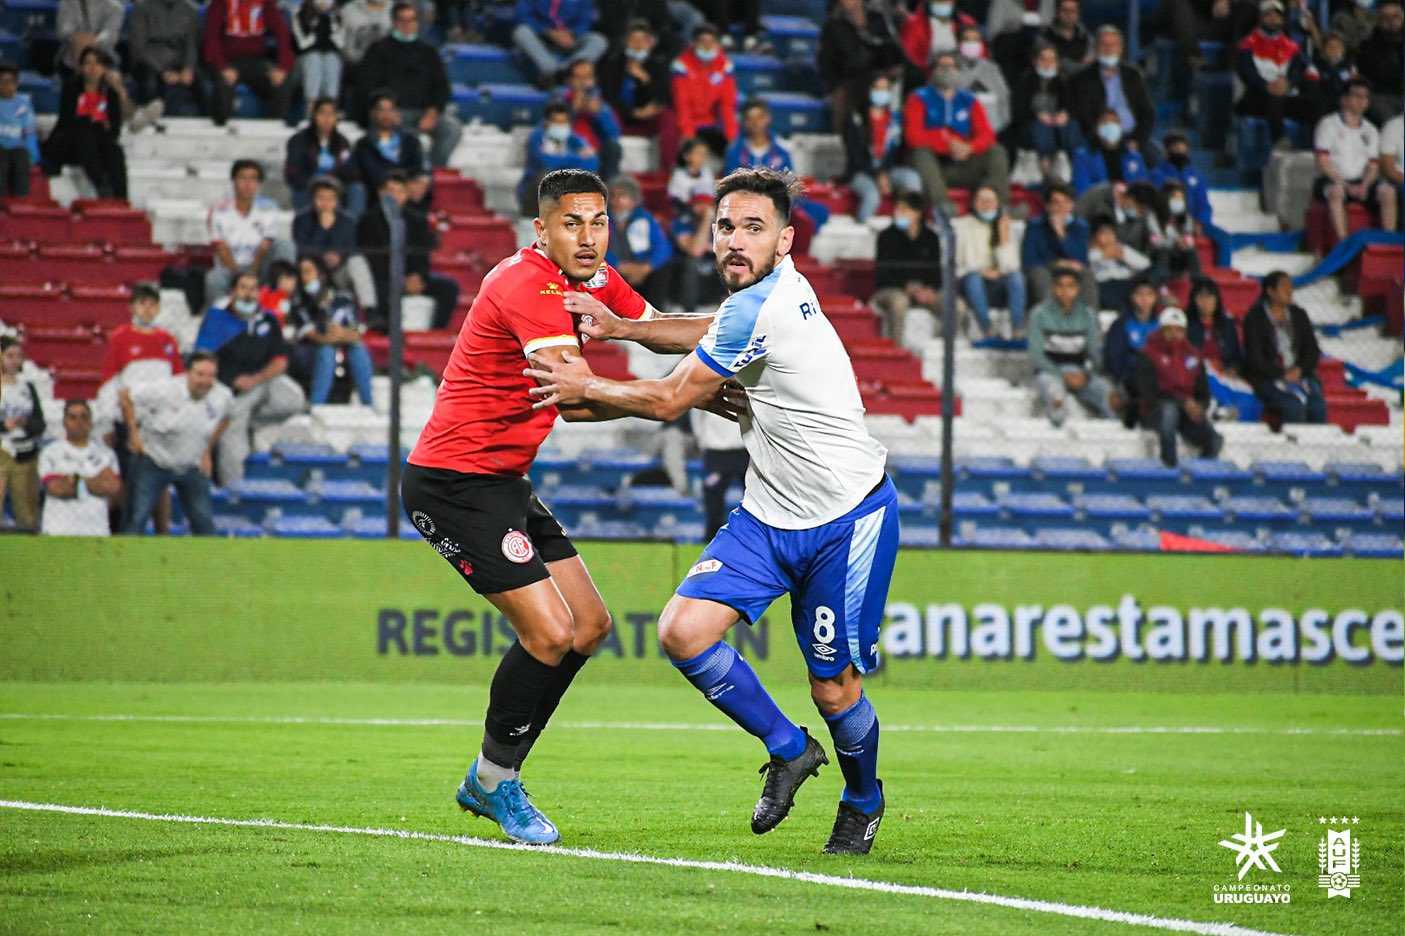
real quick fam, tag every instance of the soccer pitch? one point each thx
(1072, 812)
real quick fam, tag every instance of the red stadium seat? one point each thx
(65, 347)
(75, 263)
(465, 269)
(856, 326)
(103, 306)
(32, 305)
(45, 223)
(653, 187)
(484, 235)
(78, 384)
(1317, 225)
(431, 348)
(135, 263)
(1354, 408)
(114, 224)
(838, 198)
(857, 277)
(1239, 295)
(1206, 249)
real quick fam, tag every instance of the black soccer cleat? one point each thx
(783, 778)
(854, 829)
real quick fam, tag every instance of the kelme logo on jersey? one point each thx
(707, 565)
(516, 547)
(757, 349)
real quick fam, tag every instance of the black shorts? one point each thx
(1321, 183)
(491, 528)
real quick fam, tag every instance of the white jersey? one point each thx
(86, 514)
(812, 459)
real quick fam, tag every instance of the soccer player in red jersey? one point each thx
(465, 487)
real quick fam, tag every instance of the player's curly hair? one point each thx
(782, 188)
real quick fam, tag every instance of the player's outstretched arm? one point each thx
(570, 383)
(662, 334)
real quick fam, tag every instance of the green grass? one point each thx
(1123, 821)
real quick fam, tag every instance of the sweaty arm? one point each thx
(569, 384)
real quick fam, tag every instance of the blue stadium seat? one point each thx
(1375, 545)
(1105, 509)
(1065, 468)
(305, 528)
(1365, 477)
(43, 92)
(1183, 508)
(912, 473)
(263, 466)
(797, 113)
(795, 37)
(1289, 474)
(1034, 509)
(369, 454)
(267, 491)
(1142, 469)
(372, 526)
(973, 505)
(919, 537)
(1333, 511)
(1260, 510)
(1392, 512)
(1138, 539)
(310, 454)
(1242, 540)
(580, 496)
(610, 530)
(995, 537)
(481, 64)
(1071, 539)
(1308, 545)
(757, 73)
(505, 105)
(23, 17)
(351, 493)
(236, 525)
(989, 468)
(1222, 474)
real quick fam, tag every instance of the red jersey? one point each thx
(126, 345)
(483, 421)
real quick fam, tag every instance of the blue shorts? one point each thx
(837, 576)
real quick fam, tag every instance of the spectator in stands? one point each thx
(1069, 37)
(1212, 331)
(1353, 23)
(412, 69)
(373, 234)
(237, 50)
(1381, 60)
(173, 426)
(80, 476)
(1174, 389)
(949, 138)
(1065, 345)
(88, 24)
(319, 150)
(1057, 236)
(551, 146)
(89, 126)
(856, 42)
(692, 176)
(907, 268)
(635, 79)
(1191, 22)
(1112, 84)
(163, 46)
(1177, 167)
(592, 119)
(276, 290)
(1392, 159)
(1326, 76)
(318, 35)
(733, 15)
(932, 28)
(1348, 161)
(1123, 342)
(979, 75)
(873, 147)
(554, 33)
(386, 145)
(705, 91)
(1041, 112)
(365, 22)
(247, 341)
(639, 247)
(1281, 354)
(1270, 66)
(988, 262)
(326, 231)
(19, 136)
(244, 232)
(21, 430)
(724, 463)
(694, 267)
(326, 323)
(1113, 158)
(756, 147)
(1129, 206)
(1114, 264)
(1172, 231)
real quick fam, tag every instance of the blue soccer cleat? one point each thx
(508, 807)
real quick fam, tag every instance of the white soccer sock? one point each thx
(491, 774)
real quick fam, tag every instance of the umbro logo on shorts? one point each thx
(707, 565)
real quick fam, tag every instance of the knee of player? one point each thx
(551, 639)
(674, 636)
(834, 695)
(592, 627)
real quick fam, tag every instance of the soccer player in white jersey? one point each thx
(819, 520)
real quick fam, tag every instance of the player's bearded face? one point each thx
(748, 239)
(575, 234)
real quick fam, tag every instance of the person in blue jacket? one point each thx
(1109, 159)
(1058, 236)
(1177, 167)
(639, 246)
(551, 146)
(554, 33)
(1124, 340)
(19, 137)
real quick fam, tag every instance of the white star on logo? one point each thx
(1253, 846)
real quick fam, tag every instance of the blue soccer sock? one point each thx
(855, 734)
(729, 682)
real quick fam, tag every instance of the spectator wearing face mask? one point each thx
(855, 43)
(705, 91)
(326, 323)
(1173, 230)
(931, 29)
(873, 146)
(950, 141)
(907, 266)
(635, 80)
(979, 75)
(1042, 113)
(551, 146)
(1112, 84)
(412, 69)
(1177, 167)
(1328, 72)
(988, 262)
(1270, 67)
(1112, 159)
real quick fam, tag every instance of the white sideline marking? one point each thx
(808, 877)
(690, 726)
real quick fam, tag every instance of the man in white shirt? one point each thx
(244, 231)
(173, 425)
(1348, 149)
(818, 520)
(1393, 157)
(80, 478)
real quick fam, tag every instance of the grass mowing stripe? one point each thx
(807, 877)
(689, 726)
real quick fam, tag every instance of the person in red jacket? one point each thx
(930, 29)
(1175, 392)
(705, 91)
(235, 49)
(949, 138)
